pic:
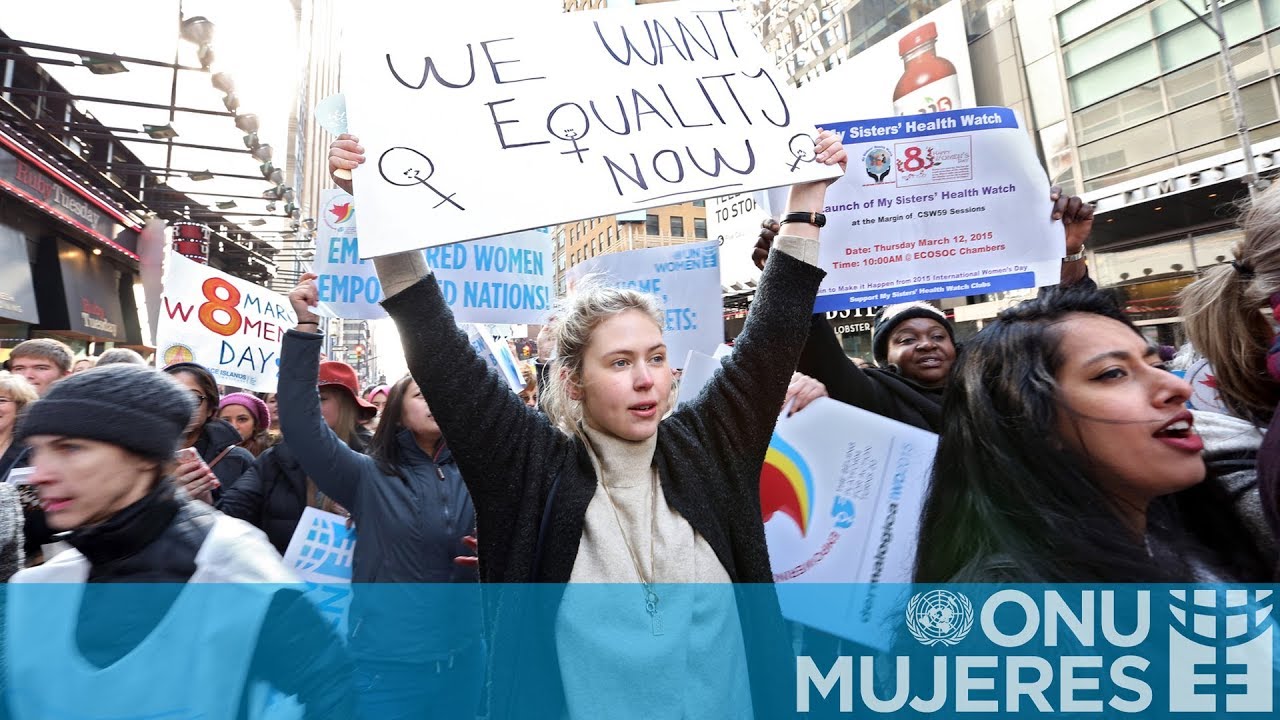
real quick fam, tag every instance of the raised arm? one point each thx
(334, 467)
(499, 443)
(736, 412)
(1077, 217)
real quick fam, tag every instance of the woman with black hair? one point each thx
(215, 440)
(417, 647)
(1067, 455)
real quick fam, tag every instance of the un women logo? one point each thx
(939, 617)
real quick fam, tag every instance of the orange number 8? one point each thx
(228, 305)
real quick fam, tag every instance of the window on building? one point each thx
(699, 203)
(677, 226)
(650, 224)
(700, 228)
(1114, 76)
(610, 236)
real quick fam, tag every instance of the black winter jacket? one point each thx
(876, 390)
(218, 435)
(272, 494)
(709, 454)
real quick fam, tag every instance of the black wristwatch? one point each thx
(816, 219)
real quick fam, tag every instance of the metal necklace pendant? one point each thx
(651, 607)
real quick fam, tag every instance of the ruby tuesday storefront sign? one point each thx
(40, 188)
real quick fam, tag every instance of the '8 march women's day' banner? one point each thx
(230, 326)
(938, 205)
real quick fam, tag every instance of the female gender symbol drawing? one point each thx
(569, 128)
(802, 147)
(399, 164)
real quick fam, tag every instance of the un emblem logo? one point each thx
(1220, 650)
(939, 617)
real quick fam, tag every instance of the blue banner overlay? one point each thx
(912, 126)
(978, 285)
(695, 651)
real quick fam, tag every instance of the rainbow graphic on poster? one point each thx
(786, 485)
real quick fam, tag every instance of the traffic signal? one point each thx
(358, 351)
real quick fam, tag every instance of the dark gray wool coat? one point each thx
(709, 453)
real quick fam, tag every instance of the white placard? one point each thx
(21, 476)
(478, 123)
(734, 221)
(841, 492)
(229, 325)
(938, 205)
(859, 87)
(685, 278)
(503, 279)
(322, 552)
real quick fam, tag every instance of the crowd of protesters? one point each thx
(1066, 454)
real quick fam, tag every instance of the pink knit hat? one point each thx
(261, 415)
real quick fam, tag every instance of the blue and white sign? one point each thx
(686, 278)
(322, 552)
(938, 205)
(841, 492)
(503, 279)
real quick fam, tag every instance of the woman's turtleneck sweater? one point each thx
(700, 634)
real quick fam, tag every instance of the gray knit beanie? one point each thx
(137, 408)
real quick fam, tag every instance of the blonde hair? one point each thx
(577, 317)
(1222, 313)
(348, 413)
(17, 389)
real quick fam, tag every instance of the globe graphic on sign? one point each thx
(178, 353)
(1221, 617)
(939, 617)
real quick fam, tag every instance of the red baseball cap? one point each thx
(341, 374)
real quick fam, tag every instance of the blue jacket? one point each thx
(409, 528)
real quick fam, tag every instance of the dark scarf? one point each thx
(115, 613)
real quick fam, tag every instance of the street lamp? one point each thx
(1237, 108)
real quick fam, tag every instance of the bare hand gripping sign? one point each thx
(477, 125)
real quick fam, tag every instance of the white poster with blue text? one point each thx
(487, 123)
(686, 278)
(229, 325)
(322, 552)
(937, 205)
(503, 279)
(841, 492)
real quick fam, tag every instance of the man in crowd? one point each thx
(42, 362)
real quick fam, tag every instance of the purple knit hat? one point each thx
(261, 415)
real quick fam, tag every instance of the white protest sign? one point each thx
(734, 221)
(938, 205)
(857, 88)
(685, 278)
(322, 552)
(841, 492)
(21, 476)
(229, 325)
(478, 123)
(503, 279)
